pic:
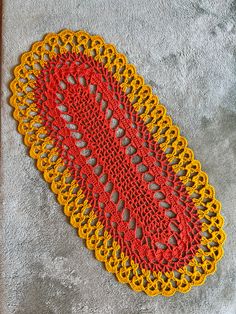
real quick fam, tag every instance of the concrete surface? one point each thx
(187, 51)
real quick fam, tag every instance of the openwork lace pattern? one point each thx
(124, 174)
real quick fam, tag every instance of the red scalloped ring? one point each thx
(77, 99)
(117, 164)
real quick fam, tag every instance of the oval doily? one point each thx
(120, 168)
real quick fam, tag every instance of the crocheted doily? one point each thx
(120, 168)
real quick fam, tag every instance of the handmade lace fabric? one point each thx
(120, 168)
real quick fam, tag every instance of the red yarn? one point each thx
(117, 163)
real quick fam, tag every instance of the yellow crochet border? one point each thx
(71, 196)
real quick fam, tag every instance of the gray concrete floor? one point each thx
(187, 51)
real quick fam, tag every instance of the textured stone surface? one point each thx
(187, 51)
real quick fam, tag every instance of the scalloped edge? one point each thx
(151, 108)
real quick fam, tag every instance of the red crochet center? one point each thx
(122, 171)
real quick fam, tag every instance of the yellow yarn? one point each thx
(71, 196)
